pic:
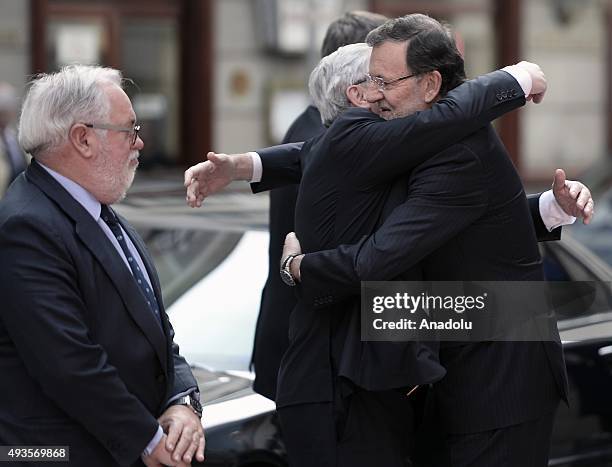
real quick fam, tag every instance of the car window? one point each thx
(212, 283)
(183, 257)
(581, 282)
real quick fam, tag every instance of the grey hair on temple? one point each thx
(333, 75)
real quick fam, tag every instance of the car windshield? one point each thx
(212, 284)
(212, 264)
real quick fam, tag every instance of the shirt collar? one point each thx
(84, 197)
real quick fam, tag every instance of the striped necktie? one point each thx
(113, 223)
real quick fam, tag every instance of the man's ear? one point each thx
(432, 82)
(81, 140)
(356, 95)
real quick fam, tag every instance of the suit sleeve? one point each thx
(282, 165)
(46, 319)
(542, 232)
(380, 150)
(183, 376)
(446, 195)
(374, 150)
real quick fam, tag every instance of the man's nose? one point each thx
(139, 143)
(373, 94)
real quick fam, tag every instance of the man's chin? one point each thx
(385, 114)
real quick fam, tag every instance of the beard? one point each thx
(114, 177)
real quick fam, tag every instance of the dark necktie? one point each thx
(111, 220)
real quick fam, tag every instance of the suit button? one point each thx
(499, 97)
(504, 95)
(161, 378)
(514, 93)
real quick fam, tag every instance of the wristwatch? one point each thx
(285, 272)
(190, 401)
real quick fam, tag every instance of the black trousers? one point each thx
(526, 445)
(364, 429)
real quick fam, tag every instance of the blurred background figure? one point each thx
(13, 161)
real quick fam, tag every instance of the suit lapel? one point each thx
(105, 253)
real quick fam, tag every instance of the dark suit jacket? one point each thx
(84, 361)
(346, 182)
(465, 218)
(277, 300)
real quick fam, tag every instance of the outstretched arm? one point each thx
(461, 112)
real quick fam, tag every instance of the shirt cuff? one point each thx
(552, 214)
(257, 167)
(522, 76)
(154, 442)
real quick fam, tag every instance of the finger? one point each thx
(174, 431)
(574, 189)
(192, 173)
(291, 238)
(191, 188)
(538, 98)
(201, 445)
(188, 177)
(589, 212)
(192, 192)
(583, 197)
(183, 444)
(558, 180)
(195, 442)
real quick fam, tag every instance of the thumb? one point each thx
(559, 181)
(214, 158)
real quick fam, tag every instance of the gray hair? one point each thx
(56, 101)
(333, 75)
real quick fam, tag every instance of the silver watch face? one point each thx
(287, 277)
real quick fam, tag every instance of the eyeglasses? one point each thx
(383, 85)
(132, 132)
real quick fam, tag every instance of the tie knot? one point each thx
(108, 216)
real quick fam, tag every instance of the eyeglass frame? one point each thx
(102, 126)
(382, 85)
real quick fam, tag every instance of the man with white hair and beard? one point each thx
(86, 348)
